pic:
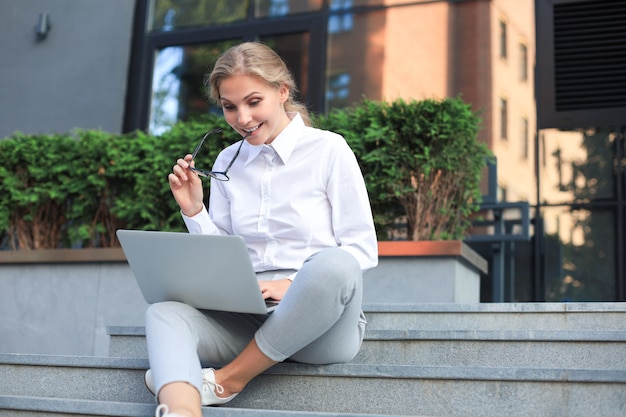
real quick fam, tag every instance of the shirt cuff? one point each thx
(200, 224)
(289, 277)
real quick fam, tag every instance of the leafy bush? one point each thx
(76, 190)
(421, 161)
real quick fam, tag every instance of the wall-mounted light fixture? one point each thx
(43, 26)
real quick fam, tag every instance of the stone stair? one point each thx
(447, 360)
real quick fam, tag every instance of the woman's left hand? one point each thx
(274, 289)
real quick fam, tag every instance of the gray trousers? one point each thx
(319, 321)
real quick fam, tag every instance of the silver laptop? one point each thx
(208, 272)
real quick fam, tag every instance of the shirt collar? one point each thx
(284, 143)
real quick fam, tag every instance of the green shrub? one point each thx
(421, 160)
(76, 190)
(34, 188)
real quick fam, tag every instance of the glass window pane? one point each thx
(274, 8)
(524, 137)
(503, 39)
(178, 91)
(523, 62)
(356, 3)
(175, 14)
(578, 165)
(367, 54)
(353, 70)
(293, 48)
(504, 113)
(579, 254)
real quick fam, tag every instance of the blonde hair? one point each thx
(256, 59)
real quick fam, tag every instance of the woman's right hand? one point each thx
(186, 187)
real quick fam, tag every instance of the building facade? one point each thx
(121, 65)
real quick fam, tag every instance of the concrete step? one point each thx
(497, 316)
(582, 349)
(19, 406)
(346, 388)
(23, 406)
(521, 349)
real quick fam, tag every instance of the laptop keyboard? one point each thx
(269, 302)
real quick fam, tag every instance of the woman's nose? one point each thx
(243, 117)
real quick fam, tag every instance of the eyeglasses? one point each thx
(218, 175)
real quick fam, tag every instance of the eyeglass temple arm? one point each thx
(232, 161)
(195, 151)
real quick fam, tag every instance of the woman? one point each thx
(297, 197)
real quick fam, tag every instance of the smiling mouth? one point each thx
(252, 130)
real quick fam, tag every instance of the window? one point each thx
(557, 154)
(338, 90)
(502, 193)
(503, 119)
(166, 87)
(542, 137)
(502, 39)
(279, 8)
(340, 22)
(168, 15)
(523, 62)
(178, 91)
(524, 137)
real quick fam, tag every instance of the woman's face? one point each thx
(253, 107)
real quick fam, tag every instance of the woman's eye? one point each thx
(254, 102)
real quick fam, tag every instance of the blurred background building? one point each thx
(548, 76)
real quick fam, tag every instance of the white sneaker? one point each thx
(209, 392)
(165, 409)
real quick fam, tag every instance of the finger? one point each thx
(186, 162)
(173, 180)
(266, 290)
(183, 163)
(177, 169)
(181, 172)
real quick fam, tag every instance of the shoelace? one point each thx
(214, 386)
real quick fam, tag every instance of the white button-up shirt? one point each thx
(302, 193)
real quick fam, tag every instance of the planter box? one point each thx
(62, 301)
(424, 272)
